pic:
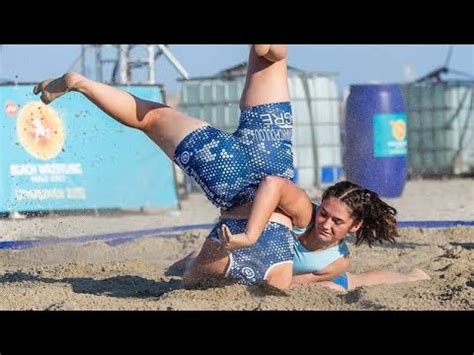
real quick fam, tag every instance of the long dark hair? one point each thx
(378, 218)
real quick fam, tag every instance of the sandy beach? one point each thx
(132, 275)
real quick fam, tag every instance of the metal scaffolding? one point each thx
(124, 63)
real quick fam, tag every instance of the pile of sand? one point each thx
(131, 276)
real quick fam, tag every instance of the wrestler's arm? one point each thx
(273, 192)
(327, 274)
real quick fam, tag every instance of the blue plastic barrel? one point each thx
(376, 143)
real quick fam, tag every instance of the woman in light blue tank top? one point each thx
(321, 252)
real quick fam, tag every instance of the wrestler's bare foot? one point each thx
(179, 267)
(51, 89)
(271, 52)
(262, 49)
(418, 275)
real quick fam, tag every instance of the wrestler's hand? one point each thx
(233, 241)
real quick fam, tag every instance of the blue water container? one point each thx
(376, 138)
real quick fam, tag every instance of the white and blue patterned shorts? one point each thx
(230, 166)
(251, 265)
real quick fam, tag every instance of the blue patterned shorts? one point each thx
(230, 166)
(252, 264)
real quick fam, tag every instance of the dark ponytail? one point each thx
(378, 218)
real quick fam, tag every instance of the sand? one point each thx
(132, 275)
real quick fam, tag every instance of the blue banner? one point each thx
(71, 155)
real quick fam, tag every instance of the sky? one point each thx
(355, 64)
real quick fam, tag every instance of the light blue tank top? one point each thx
(306, 261)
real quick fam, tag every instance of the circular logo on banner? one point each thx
(399, 129)
(11, 108)
(185, 157)
(248, 272)
(40, 130)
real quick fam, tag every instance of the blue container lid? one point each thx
(373, 87)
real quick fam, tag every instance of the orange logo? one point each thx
(40, 130)
(399, 129)
(11, 108)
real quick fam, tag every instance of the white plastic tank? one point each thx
(440, 128)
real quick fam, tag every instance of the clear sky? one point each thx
(353, 63)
